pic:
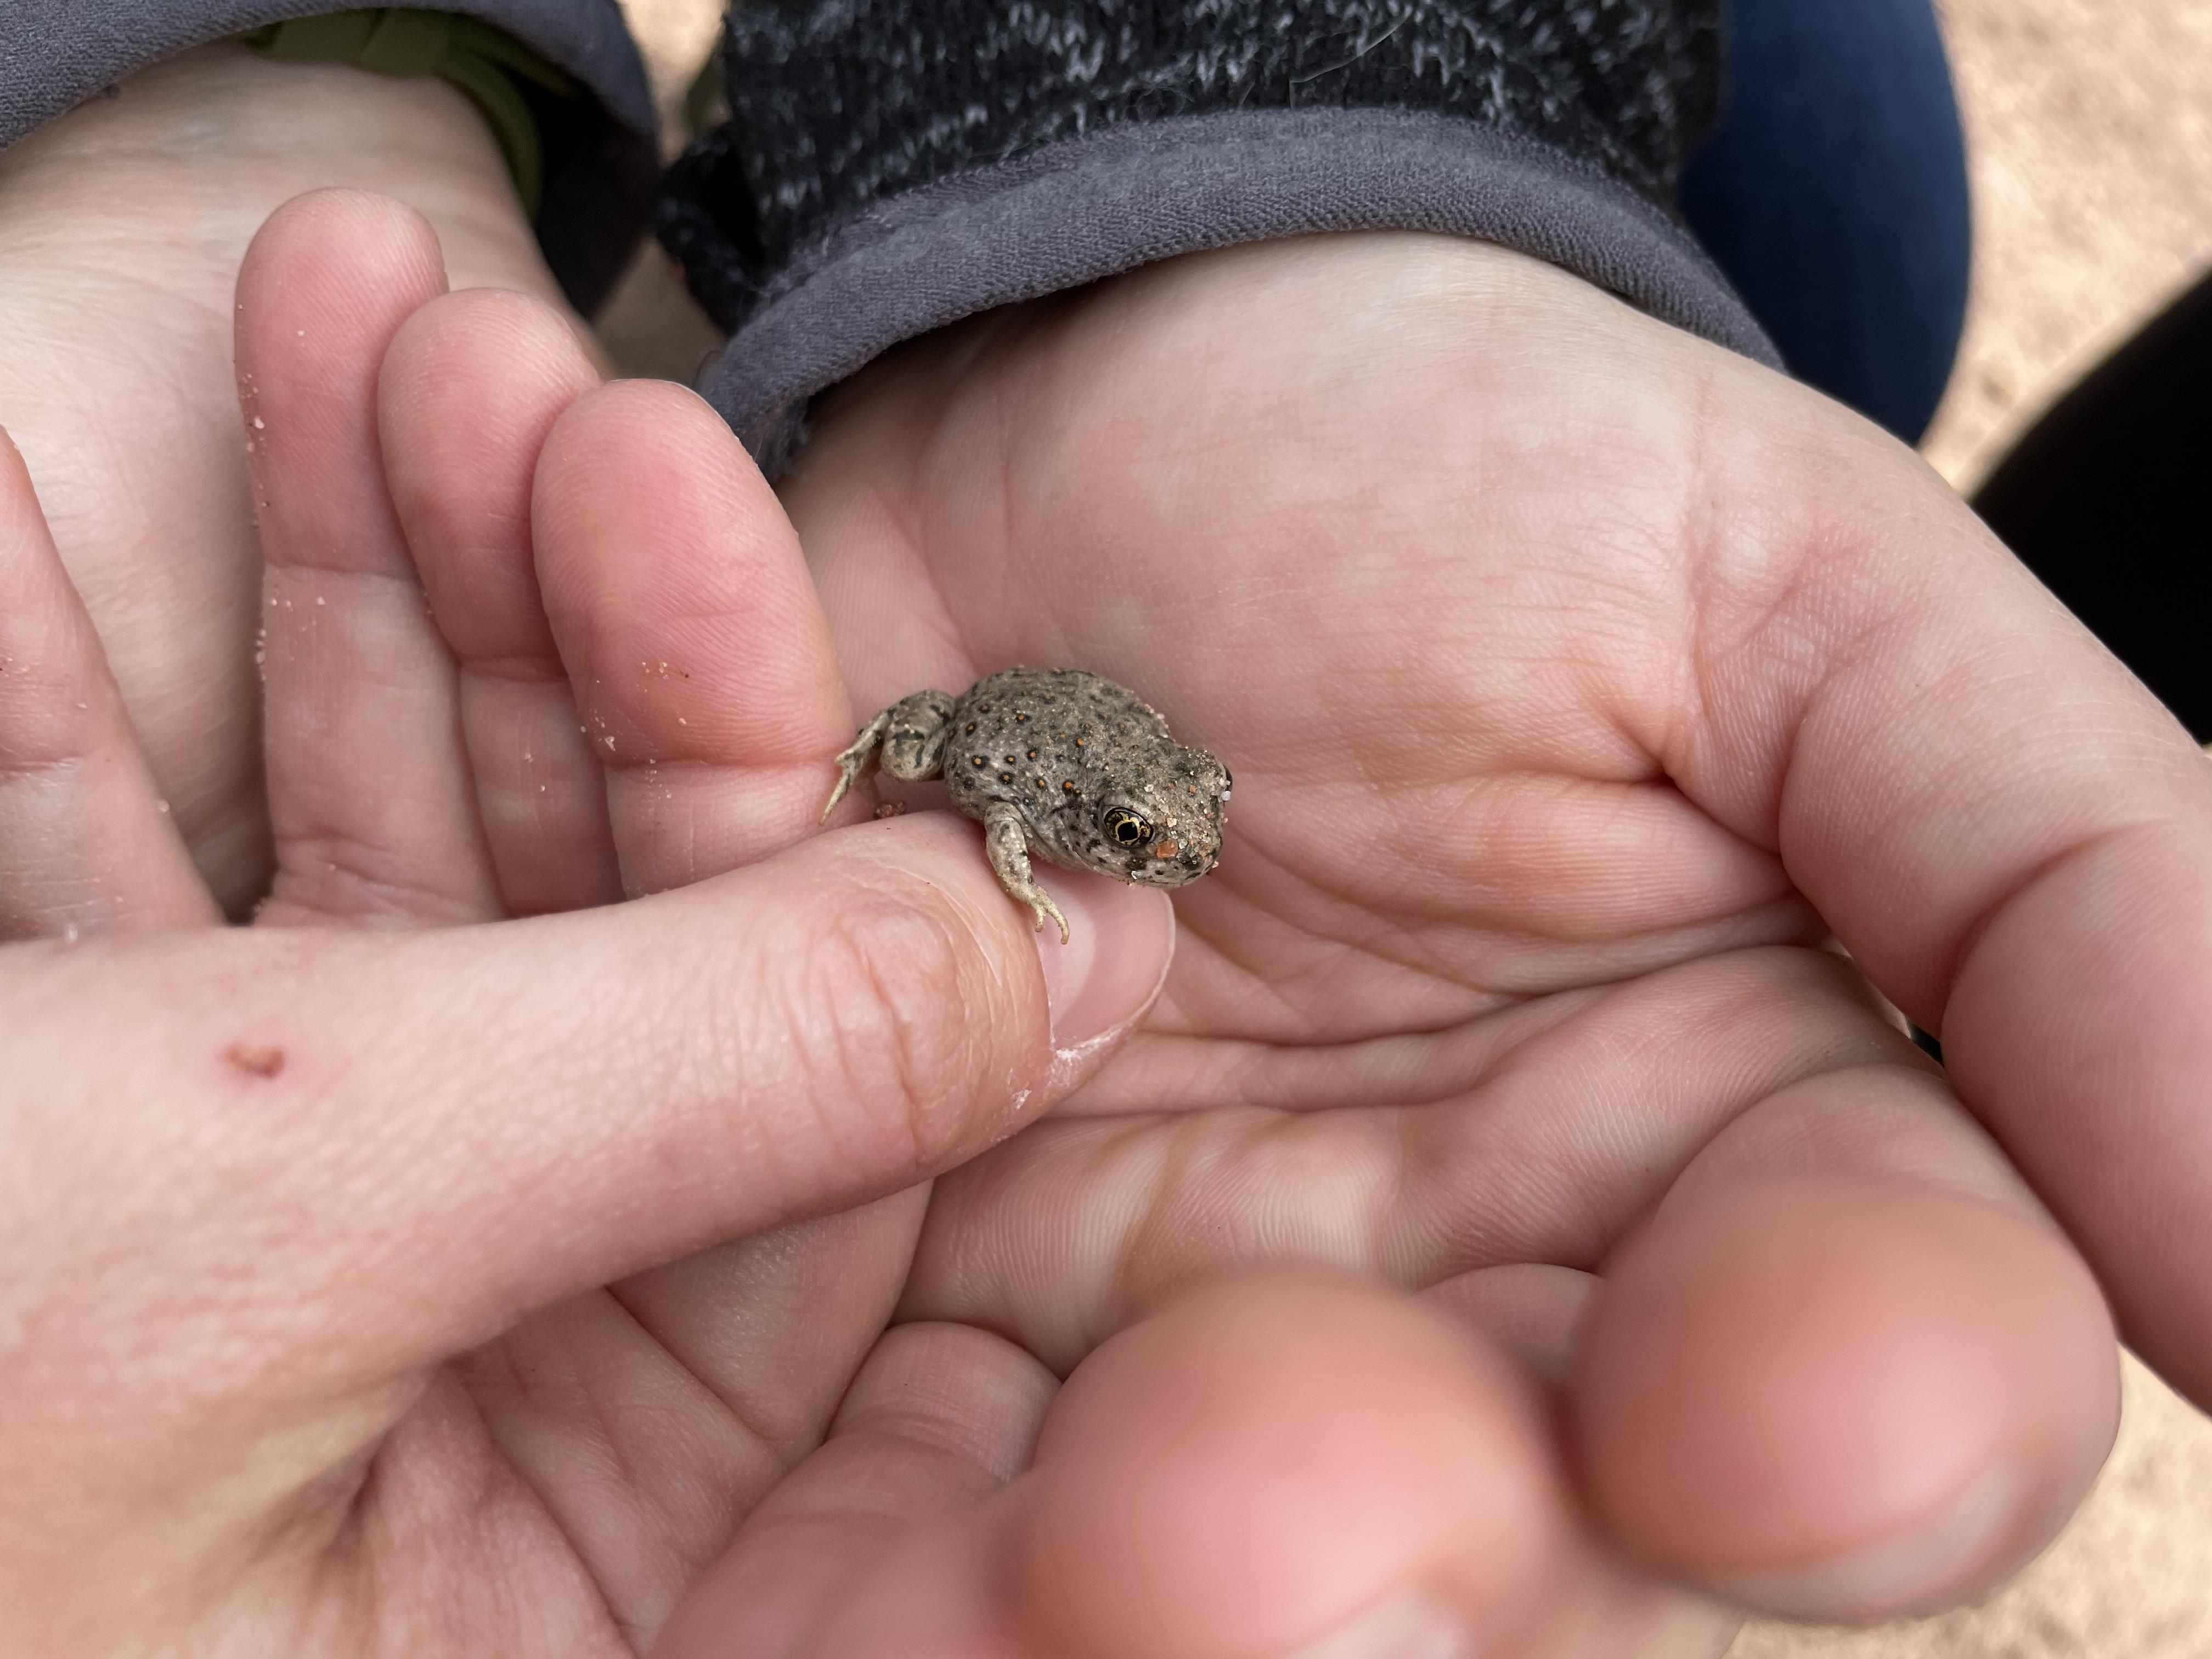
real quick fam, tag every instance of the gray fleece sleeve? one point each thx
(599, 151)
(890, 165)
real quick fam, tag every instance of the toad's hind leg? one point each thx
(907, 740)
(1009, 849)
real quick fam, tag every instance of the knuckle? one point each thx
(899, 1032)
(333, 871)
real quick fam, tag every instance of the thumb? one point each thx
(396, 1145)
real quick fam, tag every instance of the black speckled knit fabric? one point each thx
(874, 146)
(836, 103)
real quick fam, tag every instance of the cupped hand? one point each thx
(122, 225)
(1581, 685)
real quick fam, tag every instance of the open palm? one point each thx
(1578, 680)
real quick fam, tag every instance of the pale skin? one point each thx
(122, 225)
(1512, 1002)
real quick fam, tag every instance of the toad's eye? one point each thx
(1126, 829)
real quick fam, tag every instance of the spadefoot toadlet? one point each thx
(1058, 762)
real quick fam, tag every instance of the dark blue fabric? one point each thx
(1834, 193)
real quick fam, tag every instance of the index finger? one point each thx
(2008, 833)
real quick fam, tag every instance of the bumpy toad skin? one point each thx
(1059, 763)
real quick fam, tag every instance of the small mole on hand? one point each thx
(256, 1059)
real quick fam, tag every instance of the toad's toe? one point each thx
(1043, 907)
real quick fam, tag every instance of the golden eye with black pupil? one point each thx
(1126, 829)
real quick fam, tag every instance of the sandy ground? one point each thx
(2090, 124)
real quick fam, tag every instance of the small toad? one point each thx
(1061, 763)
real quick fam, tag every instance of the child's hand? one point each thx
(1578, 679)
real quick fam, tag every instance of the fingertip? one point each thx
(667, 430)
(649, 463)
(326, 285)
(1275, 1457)
(461, 344)
(346, 209)
(652, 462)
(333, 240)
(327, 271)
(1839, 1401)
(1288, 1463)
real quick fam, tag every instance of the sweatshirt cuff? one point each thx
(889, 170)
(598, 152)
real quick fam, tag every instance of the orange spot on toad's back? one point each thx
(1166, 849)
(256, 1059)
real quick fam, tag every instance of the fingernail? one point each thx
(1101, 980)
(1414, 1626)
(1922, 1572)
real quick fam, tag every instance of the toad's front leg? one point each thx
(907, 740)
(1008, 846)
